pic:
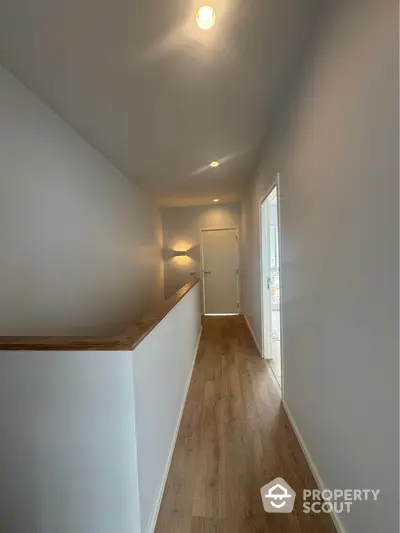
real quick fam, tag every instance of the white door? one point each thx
(220, 271)
(271, 282)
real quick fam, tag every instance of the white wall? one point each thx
(86, 437)
(80, 244)
(162, 366)
(181, 231)
(67, 447)
(337, 154)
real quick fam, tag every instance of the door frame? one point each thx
(220, 228)
(264, 344)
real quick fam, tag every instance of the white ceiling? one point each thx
(159, 97)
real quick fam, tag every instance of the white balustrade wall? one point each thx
(86, 436)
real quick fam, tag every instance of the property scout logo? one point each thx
(279, 497)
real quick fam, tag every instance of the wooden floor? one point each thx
(234, 438)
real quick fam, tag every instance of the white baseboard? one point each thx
(253, 335)
(156, 509)
(335, 517)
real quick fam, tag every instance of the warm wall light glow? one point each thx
(180, 245)
(214, 164)
(216, 200)
(179, 250)
(182, 260)
(205, 17)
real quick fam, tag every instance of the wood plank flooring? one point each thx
(234, 438)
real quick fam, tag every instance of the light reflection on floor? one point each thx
(275, 362)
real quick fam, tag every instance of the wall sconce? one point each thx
(180, 253)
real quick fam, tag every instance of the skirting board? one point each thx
(252, 334)
(335, 518)
(156, 509)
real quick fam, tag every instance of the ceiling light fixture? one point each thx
(216, 200)
(214, 164)
(205, 17)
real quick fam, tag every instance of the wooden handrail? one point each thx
(127, 340)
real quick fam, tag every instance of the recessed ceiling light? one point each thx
(205, 17)
(214, 164)
(216, 200)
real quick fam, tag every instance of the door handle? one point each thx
(207, 271)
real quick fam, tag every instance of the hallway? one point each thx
(234, 438)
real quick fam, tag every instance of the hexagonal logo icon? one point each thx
(278, 497)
